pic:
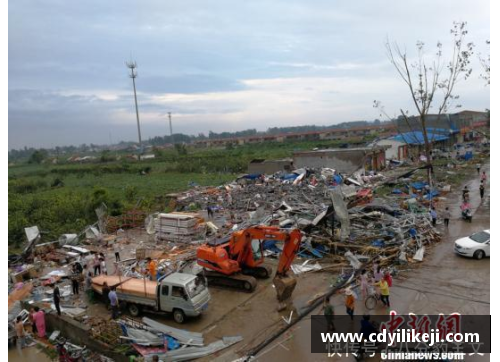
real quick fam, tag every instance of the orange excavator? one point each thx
(238, 260)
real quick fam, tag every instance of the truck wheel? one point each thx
(134, 310)
(179, 316)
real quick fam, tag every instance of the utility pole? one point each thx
(170, 123)
(133, 74)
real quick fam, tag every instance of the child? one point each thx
(20, 331)
(349, 303)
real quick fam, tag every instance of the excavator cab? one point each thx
(237, 260)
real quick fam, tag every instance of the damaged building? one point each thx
(268, 167)
(346, 160)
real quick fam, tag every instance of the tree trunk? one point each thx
(427, 150)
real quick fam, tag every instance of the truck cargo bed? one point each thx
(128, 289)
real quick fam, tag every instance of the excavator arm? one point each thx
(283, 283)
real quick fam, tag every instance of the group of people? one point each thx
(381, 279)
(465, 207)
(36, 318)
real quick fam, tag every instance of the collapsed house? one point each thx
(346, 160)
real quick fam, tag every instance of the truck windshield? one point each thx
(195, 287)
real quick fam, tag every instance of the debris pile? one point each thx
(170, 344)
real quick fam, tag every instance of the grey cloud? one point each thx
(193, 83)
(58, 47)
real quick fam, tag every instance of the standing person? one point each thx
(375, 266)
(329, 314)
(116, 248)
(113, 301)
(39, 319)
(78, 267)
(433, 214)
(57, 300)
(478, 168)
(210, 212)
(97, 265)
(364, 283)
(105, 294)
(88, 287)
(32, 320)
(388, 278)
(446, 216)
(384, 292)
(20, 332)
(481, 190)
(378, 274)
(151, 269)
(349, 303)
(75, 281)
(465, 194)
(104, 270)
(483, 176)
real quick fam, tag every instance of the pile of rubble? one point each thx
(336, 213)
(169, 344)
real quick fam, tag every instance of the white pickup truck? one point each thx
(178, 293)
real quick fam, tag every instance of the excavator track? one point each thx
(261, 272)
(246, 283)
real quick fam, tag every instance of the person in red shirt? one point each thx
(388, 278)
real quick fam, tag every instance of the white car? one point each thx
(475, 246)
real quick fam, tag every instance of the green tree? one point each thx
(431, 81)
(38, 156)
(181, 149)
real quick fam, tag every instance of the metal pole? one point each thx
(137, 115)
(133, 75)
(170, 122)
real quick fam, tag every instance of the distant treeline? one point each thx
(27, 153)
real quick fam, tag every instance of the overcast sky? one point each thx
(217, 65)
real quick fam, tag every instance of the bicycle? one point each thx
(372, 299)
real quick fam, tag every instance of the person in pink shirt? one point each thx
(39, 319)
(483, 177)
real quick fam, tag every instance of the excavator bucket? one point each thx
(285, 286)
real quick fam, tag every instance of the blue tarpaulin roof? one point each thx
(417, 137)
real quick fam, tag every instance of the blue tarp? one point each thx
(378, 243)
(468, 155)
(171, 342)
(271, 245)
(417, 137)
(251, 176)
(290, 176)
(432, 194)
(418, 185)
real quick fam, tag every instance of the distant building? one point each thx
(457, 122)
(346, 160)
(268, 167)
